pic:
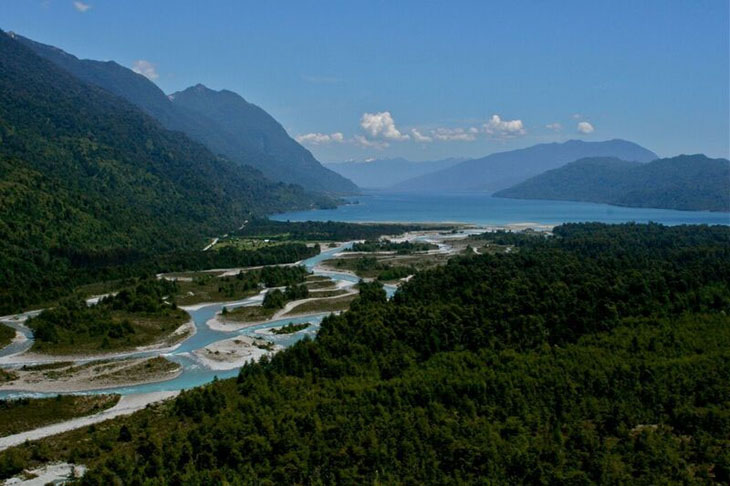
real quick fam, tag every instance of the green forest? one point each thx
(600, 355)
(85, 177)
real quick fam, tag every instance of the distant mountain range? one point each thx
(222, 120)
(502, 170)
(382, 173)
(689, 182)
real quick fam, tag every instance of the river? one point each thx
(194, 373)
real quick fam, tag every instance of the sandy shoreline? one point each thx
(234, 352)
(90, 377)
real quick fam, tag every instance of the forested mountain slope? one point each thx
(598, 356)
(253, 131)
(689, 182)
(83, 171)
(505, 169)
(239, 130)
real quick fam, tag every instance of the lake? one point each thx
(480, 208)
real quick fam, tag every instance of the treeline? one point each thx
(56, 276)
(402, 248)
(598, 356)
(325, 230)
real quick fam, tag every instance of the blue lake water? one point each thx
(481, 208)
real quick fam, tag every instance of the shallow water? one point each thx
(193, 372)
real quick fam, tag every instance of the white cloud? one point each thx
(556, 127)
(496, 127)
(455, 134)
(81, 6)
(320, 138)
(146, 69)
(419, 137)
(577, 116)
(585, 127)
(381, 125)
(364, 142)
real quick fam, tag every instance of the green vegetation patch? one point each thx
(7, 334)
(401, 248)
(332, 304)
(19, 415)
(210, 288)
(135, 317)
(290, 328)
(250, 313)
(262, 228)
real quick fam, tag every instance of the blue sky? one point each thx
(427, 80)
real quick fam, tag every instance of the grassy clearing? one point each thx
(386, 267)
(323, 305)
(7, 375)
(328, 293)
(47, 366)
(321, 284)
(252, 313)
(29, 413)
(146, 370)
(244, 243)
(209, 288)
(7, 334)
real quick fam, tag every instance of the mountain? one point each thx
(690, 182)
(381, 173)
(83, 172)
(276, 154)
(221, 120)
(505, 169)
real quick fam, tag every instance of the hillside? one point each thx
(251, 129)
(505, 169)
(382, 173)
(689, 182)
(85, 174)
(241, 131)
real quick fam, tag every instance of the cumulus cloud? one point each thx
(585, 127)
(419, 137)
(577, 116)
(496, 127)
(320, 138)
(81, 6)
(381, 125)
(146, 69)
(455, 134)
(556, 127)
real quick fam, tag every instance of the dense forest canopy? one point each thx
(598, 356)
(86, 176)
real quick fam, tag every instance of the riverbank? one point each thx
(127, 405)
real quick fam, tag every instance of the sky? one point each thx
(426, 80)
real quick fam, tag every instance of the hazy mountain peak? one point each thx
(504, 169)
